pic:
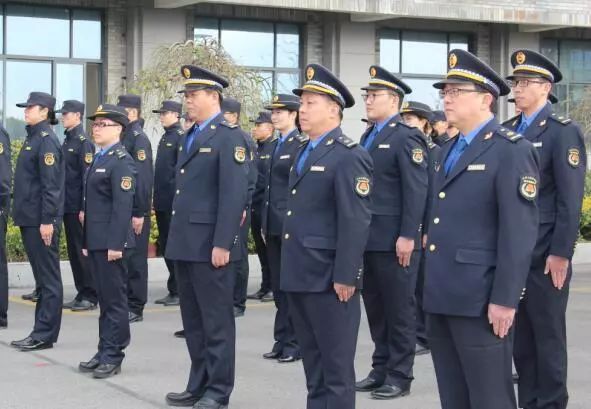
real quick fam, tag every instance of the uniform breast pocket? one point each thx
(202, 218)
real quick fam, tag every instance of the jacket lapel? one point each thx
(200, 140)
(317, 153)
(480, 144)
(539, 125)
(384, 133)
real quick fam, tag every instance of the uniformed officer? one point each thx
(5, 187)
(481, 236)
(551, 97)
(443, 132)
(38, 209)
(324, 235)
(231, 110)
(164, 185)
(276, 158)
(540, 335)
(211, 195)
(392, 254)
(419, 115)
(138, 145)
(108, 201)
(77, 152)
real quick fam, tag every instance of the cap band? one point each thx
(473, 76)
(322, 87)
(533, 68)
(198, 81)
(376, 81)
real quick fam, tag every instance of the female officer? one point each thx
(108, 201)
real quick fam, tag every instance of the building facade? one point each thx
(90, 49)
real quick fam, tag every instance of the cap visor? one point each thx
(442, 83)
(525, 75)
(23, 105)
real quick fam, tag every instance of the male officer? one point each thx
(77, 152)
(481, 236)
(443, 132)
(164, 185)
(138, 145)
(212, 183)
(108, 201)
(540, 335)
(284, 112)
(231, 111)
(5, 186)
(324, 235)
(392, 254)
(38, 209)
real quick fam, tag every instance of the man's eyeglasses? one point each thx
(102, 124)
(523, 83)
(455, 92)
(367, 97)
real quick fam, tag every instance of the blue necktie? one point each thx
(279, 143)
(303, 157)
(522, 126)
(455, 154)
(370, 138)
(191, 137)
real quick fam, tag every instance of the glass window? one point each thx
(423, 91)
(37, 31)
(1, 30)
(23, 77)
(287, 81)
(424, 53)
(458, 41)
(250, 43)
(390, 52)
(288, 46)
(69, 84)
(206, 28)
(87, 34)
(549, 48)
(575, 61)
(265, 79)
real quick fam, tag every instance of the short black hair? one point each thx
(494, 105)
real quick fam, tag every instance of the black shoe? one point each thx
(367, 385)
(184, 399)
(83, 305)
(3, 324)
(238, 312)
(104, 371)
(67, 305)
(389, 392)
(165, 300)
(208, 403)
(133, 317)
(258, 295)
(34, 296)
(272, 355)
(173, 301)
(515, 379)
(88, 366)
(29, 344)
(286, 359)
(268, 297)
(421, 350)
(180, 334)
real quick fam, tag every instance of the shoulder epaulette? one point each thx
(345, 140)
(228, 125)
(180, 131)
(43, 133)
(400, 123)
(121, 153)
(512, 121)
(302, 138)
(432, 145)
(509, 134)
(136, 133)
(82, 137)
(561, 119)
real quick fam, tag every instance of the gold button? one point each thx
(182, 170)
(178, 191)
(432, 247)
(293, 192)
(289, 212)
(436, 221)
(442, 195)
(286, 236)
(173, 212)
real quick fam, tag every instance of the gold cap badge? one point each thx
(520, 57)
(453, 60)
(310, 73)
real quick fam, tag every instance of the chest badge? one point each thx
(362, 187)
(49, 159)
(239, 154)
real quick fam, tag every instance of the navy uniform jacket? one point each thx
(559, 143)
(400, 183)
(166, 158)
(328, 216)
(443, 139)
(263, 158)
(5, 171)
(78, 153)
(434, 162)
(211, 183)
(277, 191)
(39, 178)
(483, 225)
(108, 200)
(251, 149)
(138, 145)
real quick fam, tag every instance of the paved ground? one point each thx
(158, 363)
